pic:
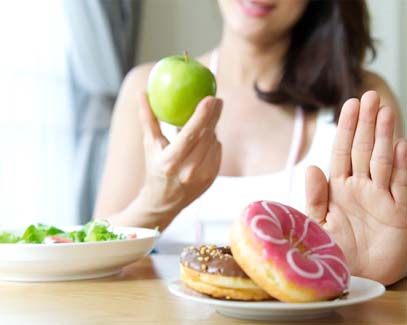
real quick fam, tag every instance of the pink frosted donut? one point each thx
(287, 254)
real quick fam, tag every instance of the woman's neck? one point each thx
(243, 62)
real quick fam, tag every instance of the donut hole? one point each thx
(300, 246)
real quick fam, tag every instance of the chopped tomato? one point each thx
(131, 236)
(60, 240)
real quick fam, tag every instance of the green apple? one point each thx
(176, 85)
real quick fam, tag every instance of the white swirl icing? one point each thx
(304, 232)
(331, 257)
(309, 275)
(290, 215)
(337, 277)
(317, 259)
(330, 244)
(272, 215)
(259, 233)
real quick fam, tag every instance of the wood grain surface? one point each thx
(139, 296)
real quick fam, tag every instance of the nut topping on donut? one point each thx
(211, 259)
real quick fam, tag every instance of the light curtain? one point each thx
(103, 34)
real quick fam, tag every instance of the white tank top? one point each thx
(208, 218)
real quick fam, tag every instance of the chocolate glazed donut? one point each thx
(213, 271)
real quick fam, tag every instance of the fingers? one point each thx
(316, 190)
(341, 152)
(398, 184)
(205, 117)
(197, 155)
(371, 153)
(365, 134)
(149, 123)
(209, 167)
(381, 163)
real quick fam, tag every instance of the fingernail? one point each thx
(217, 104)
(214, 104)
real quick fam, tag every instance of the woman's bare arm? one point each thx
(124, 170)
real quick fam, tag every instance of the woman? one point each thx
(305, 59)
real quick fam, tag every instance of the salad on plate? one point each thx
(93, 231)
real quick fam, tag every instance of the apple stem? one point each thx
(186, 56)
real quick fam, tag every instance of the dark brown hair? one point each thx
(323, 65)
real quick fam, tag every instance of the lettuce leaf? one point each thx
(98, 230)
(77, 236)
(37, 233)
(8, 238)
(95, 230)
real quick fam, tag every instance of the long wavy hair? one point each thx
(324, 63)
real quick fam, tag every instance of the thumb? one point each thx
(149, 123)
(316, 190)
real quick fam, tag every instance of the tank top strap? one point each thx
(326, 116)
(214, 61)
(320, 151)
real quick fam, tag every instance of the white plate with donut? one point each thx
(360, 290)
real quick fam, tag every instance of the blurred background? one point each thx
(61, 66)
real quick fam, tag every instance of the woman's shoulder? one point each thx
(138, 75)
(134, 83)
(373, 81)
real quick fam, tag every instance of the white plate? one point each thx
(74, 261)
(360, 290)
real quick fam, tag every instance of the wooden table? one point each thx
(139, 296)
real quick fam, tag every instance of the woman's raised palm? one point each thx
(364, 203)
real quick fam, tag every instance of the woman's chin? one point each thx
(257, 34)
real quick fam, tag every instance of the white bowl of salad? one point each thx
(48, 253)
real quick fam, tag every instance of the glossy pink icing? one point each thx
(280, 230)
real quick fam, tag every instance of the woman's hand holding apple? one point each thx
(179, 172)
